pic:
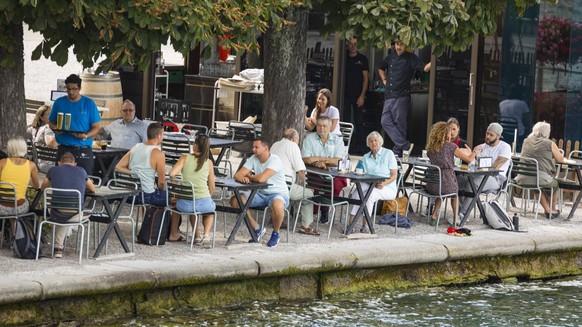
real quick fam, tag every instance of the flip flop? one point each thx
(180, 239)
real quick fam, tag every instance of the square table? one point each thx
(241, 211)
(113, 155)
(357, 179)
(471, 174)
(106, 195)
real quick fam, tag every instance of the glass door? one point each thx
(454, 89)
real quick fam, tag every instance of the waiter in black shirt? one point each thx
(355, 87)
(396, 72)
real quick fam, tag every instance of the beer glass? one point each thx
(60, 117)
(67, 122)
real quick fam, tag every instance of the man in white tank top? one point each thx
(146, 160)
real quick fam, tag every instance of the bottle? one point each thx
(515, 222)
(360, 167)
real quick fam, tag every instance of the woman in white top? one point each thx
(323, 107)
(39, 131)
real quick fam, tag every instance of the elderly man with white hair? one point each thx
(288, 150)
(539, 146)
(500, 154)
(381, 162)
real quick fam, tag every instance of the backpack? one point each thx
(24, 243)
(497, 217)
(151, 225)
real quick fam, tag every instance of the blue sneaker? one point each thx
(274, 241)
(259, 232)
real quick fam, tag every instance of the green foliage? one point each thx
(127, 32)
(418, 23)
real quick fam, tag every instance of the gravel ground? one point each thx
(297, 242)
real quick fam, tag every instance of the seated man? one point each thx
(323, 150)
(68, 176)
(127, 131)
(500, 154)
(267, 168)
(146, 160)
(287, 149)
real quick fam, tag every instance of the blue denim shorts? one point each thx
(265, 200)
(156, 198)
(202, 205)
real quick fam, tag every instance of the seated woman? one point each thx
(198, 169)
(20, 172)
(455, 129)
(538, 146)
(382, 162)
(323, 107)
(39, 131)
(442, 154)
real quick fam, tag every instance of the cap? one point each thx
(495, 128)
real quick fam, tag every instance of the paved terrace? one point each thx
(158, 265)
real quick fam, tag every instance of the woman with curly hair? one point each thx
(442, 153)
(323, 107)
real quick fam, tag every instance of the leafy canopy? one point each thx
(419, 23)
(127, 32)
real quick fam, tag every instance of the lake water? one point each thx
(543, 303)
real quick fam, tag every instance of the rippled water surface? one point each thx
(549, 303)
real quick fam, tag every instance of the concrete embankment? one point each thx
(129, 286)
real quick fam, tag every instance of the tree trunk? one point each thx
(285, 64)
(12, 109)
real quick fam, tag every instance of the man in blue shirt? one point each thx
(265, 167)
(66, 176)
(84, 124)
(127, 131)
(399, 66)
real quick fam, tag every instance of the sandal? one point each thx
(180, 239)
(433, 222)
(308, 230)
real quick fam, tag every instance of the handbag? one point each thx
(390, 206)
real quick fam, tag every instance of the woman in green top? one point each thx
(198, 169)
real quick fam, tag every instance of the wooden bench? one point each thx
(32, 105)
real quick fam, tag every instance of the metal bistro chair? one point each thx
(424, 173)
(8, 198)
(323, 195)
(347, 130)
(194, 130)
(226, 134)
(184, 190)
(31, 151)
(288, 181)
(69, 200)
(528, 167)
(174, 147)
(130, 179)
(125, 184)
(509, 125)
(246, 132)
(44, 153)
(221, 195)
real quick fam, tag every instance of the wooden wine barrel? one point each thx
(105, 90)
